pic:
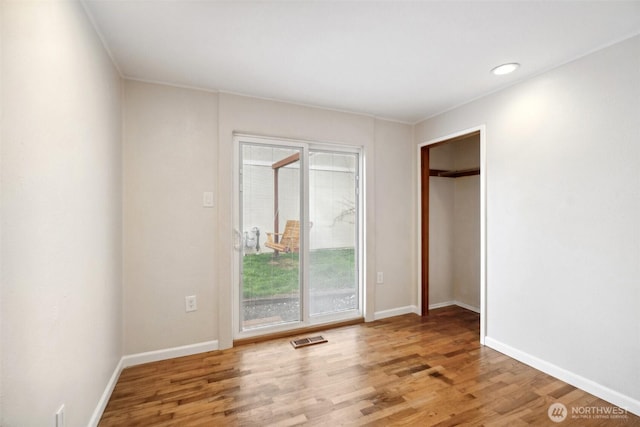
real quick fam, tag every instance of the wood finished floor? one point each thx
(399, 371)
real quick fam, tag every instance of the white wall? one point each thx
(441, 209)
(441, 243)
(170, 144)
(466, 240)
(61, 215)
(563, 202)
(466, 224)
(395, 235)
(174, 247)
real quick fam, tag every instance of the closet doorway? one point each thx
(452, 222)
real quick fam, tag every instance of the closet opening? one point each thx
(451, 214)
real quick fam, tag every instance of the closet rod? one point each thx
(454, 174)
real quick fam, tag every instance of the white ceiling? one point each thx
(395, 59)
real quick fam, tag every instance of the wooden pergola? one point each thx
(276, 167)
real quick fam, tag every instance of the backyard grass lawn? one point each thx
(266, 275)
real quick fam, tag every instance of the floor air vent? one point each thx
(303, 342)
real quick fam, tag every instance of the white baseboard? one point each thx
(467, 306)
(168, 353)
(458, 303)
(414, 309)
(104, 399)
(441, 304)
(395, 312)
(139, 359)
(623, 401)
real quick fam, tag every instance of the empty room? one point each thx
(278, 213)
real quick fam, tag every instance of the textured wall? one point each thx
(170, 143)
(563, 198)
(61, 215)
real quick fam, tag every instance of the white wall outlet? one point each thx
(190, 303)
(380, 278)
(207, 199)
(60, 417)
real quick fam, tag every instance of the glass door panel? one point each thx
(270, 215)
(333, 236)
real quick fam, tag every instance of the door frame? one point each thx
(307, 321)
(423, 241)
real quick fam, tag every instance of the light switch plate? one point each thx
(207, 199)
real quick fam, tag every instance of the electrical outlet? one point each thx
(60, 417)
(380, 278)
(190, 303)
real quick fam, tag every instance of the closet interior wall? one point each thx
(454, 224)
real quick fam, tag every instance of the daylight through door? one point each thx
(299, 230)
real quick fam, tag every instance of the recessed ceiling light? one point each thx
(505, 68)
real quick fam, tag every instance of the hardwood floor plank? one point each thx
(403, 371)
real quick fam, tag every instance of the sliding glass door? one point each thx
(333, 237)
(271, 208)
(298, 235)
